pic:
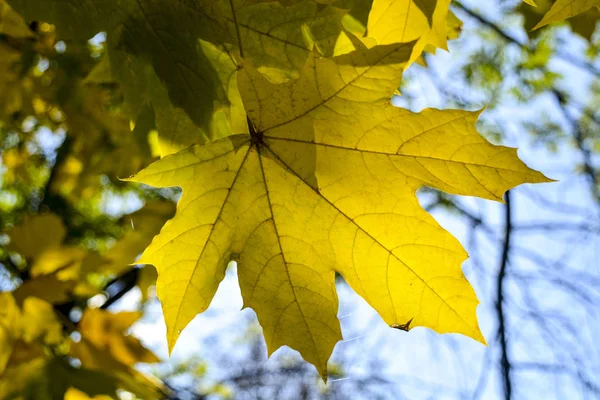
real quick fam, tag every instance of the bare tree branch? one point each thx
(504, 362)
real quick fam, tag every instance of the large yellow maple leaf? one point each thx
(325, 182)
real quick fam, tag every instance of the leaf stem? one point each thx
(237, 29)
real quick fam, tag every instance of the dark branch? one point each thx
(504, 362)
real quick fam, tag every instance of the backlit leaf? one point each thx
(326, 183)
(280, 43)
(564, 9)
(583, 23)
(401, 21)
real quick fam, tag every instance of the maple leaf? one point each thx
(325, 182)
(399, 21)
(564, 9)
(583, 23)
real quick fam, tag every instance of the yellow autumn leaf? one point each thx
(584, 24)
(280, 44)
(49, 378)
(46, 287)
(108, 332)
(37, 234)
(147, 281)
(15, 379)
(530, 2)
(39, 238)
(54, 268)
(144, 224)
(564, 9)
(401, 21)
(12, 24)
(454, 26)
(75, 394)
(98, 360)
(39, 322)
(64, 261)
(24, 330)
(9, 318)
(326, 183)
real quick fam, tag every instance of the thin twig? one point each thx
(581, 64)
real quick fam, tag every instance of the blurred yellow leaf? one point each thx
(108, 332)
(143, 225)
(46, 287)
(36, 235)
(454, 26)
(147, 281)
(75, 394)
(65, 261)
(9, 319)
(16, 379)
(50, 379)
(38, 322)
(97, 359)
(12, 24)
(54, 268)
